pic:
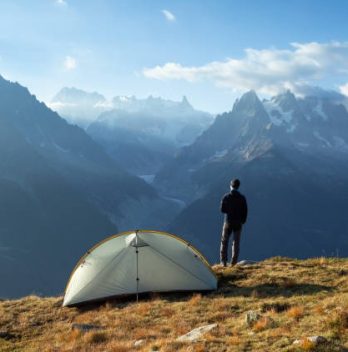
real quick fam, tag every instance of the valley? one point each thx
(157, 164)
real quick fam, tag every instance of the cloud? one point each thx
(70, 63)
(61, 3)
(344, 89)
(268, 71)
(169, 16)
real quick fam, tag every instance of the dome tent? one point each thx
(137, 262)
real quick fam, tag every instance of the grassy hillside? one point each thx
(294, 298)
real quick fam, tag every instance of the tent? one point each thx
(137, 262)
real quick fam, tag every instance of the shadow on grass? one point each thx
(272, 290)
(228, 286)
(280, 286)
(127, 300)
(230, 290)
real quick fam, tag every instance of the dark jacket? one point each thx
(235, 207)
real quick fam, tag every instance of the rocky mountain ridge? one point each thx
(140, 134)
(60, 194)
(291, 156)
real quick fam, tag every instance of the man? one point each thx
(235, 207)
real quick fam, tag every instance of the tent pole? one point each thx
(137, 253)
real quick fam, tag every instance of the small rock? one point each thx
(197, 333)
(316, 340)
(139, 343)
(85, 327)
(246, 262)
(252, 317)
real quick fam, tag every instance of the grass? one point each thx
(296, 299)
(296, 312)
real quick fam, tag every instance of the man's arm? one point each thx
(224, 206)
(245, 210)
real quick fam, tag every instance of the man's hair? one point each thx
(235, 183)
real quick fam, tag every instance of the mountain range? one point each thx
(67, 183)
(60, 193)
(140, 134)
(291, 155)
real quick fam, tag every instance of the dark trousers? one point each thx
(227, 230)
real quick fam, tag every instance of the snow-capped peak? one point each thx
(287, 101)
(281, 110)
(151, 105)
(249, 104)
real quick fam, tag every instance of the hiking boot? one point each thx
(222, 263)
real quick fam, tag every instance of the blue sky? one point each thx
(210, 51)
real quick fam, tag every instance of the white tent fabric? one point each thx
(137, 262)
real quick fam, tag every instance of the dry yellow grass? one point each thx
(307, 345)
(296, 312)
(263, 323)
(296, 299)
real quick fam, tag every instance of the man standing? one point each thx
(235, 207)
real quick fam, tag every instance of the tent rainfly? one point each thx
(137, 262)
